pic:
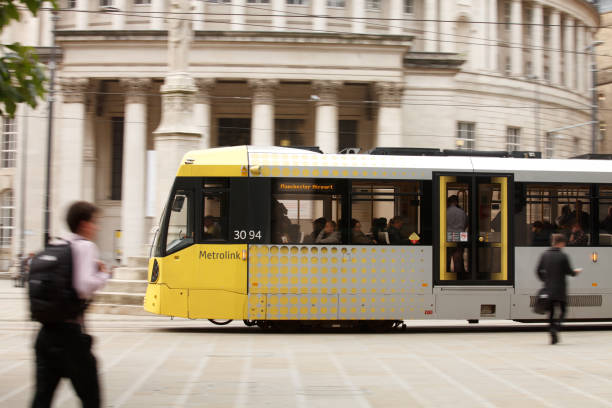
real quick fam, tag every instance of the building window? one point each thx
(373, 5)
(335, 3)
(289, 132)
(71, 4)
(142, 2)
(347, 134)
(508, 67)
(528, 69)
(529, 20)
(547, 73)
(234, 132)
(219, 1)
(7, 213)
(258, 1)
(550, 145)
(507, 15)
(546, 29)
(602, 129)
(107, 3)
(117, 158)
(297, 2)
(513, 138)
(409, 6)
(9, 143)
(466, 135)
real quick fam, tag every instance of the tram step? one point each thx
(137, 262)
(129, 273)
(126, 285)
(105, 308)
(119, 298)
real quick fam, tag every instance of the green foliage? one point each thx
(22, 78)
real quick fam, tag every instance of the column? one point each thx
(134, 164)
(326, 116)
(199, 8)
(201, 109)
(430, 35)
(493, 29)
(396, 9)
(580, 60)
(588, 58)
(69, 144)
(238, 12)
(89, 149)
(157, 17)
(516, 38)
(569, 57)
(537, 41)
(389, 124)
(319, 8)
(262, 122)
(278, 10)
(358, 13)
(82, 15)
(447, 27)
(119, 18)
(555, 45)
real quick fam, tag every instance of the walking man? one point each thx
(552, 269)
(64, 349)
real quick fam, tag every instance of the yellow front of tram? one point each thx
(195, 272)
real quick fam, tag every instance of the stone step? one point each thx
(127, 273)
(137, 262)
(126, 285)
(119, 298)
(106, 308)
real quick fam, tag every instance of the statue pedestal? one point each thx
(177, 132)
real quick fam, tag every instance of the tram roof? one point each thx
(275, 161)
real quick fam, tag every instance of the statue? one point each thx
(180, 34)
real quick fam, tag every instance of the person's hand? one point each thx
(102, 267)
(578, 270)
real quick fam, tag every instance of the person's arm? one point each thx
(567, 266)
(540, 271)
(87, 274)
(333, 238)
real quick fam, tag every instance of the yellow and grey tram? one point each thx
(281, 234)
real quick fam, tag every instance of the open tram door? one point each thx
(474, 230)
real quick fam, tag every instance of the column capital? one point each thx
(136, 89)
(204, 85)
(74, 90)
(263, 90)
(389, 93)
(327, 91)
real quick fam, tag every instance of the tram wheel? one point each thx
(220, 322)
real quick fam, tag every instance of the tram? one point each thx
(271, 235)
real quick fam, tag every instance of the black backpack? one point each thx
(53, 298)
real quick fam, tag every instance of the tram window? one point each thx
(386, 212)
(544, 209)
(180, 224)
(605, 215)
(215, 211)
(306, 211)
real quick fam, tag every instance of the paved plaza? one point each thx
(157, 362)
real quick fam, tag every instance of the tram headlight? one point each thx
(155, 272)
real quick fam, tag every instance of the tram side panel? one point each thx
(589, 293)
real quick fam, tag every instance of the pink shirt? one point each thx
(86, 277)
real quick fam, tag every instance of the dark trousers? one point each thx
(555, 323)
(63, 350)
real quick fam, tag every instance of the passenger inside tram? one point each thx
(329, 235)
(317, 227)
(578, 236)
(357, 235)
(211, 228)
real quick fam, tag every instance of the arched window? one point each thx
(7, 218)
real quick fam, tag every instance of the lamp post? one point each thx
(594, 102)
(51, 99)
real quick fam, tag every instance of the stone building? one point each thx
(468, 74)
(604, 75)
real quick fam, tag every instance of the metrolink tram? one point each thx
(272, 235)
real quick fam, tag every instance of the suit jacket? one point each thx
(552, 269)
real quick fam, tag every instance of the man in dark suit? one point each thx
(552, 269)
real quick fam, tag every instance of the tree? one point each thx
(22, 78)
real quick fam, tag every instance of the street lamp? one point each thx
(594, 98)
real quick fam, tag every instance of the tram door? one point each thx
(474, 229)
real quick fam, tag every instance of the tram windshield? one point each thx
(180, 233)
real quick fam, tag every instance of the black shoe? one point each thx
(554, 339)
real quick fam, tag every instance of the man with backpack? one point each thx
(552, 269)
(62, 279)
